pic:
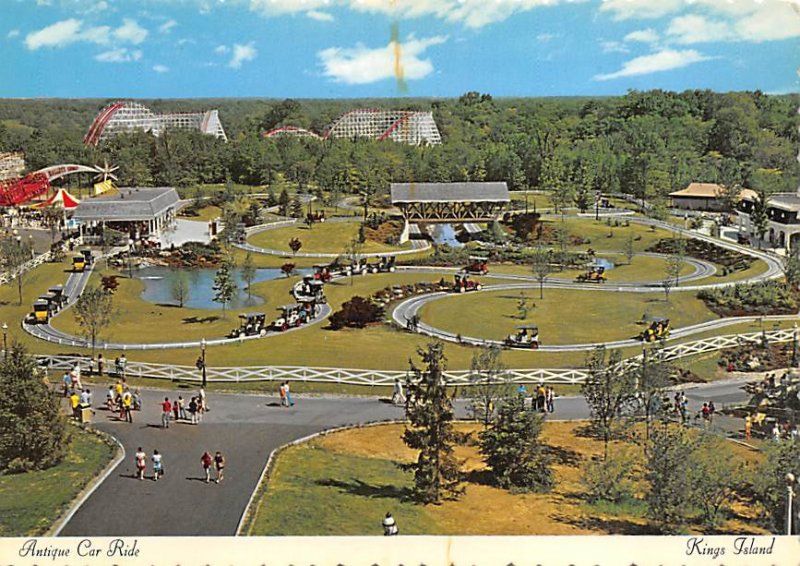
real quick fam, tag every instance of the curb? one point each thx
(61, 522)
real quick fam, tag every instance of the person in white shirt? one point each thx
(390, 526)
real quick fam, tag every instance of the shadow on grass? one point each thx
(480, 477)
(200, 320)
(564, 456)
(168, 305)
(611, 526)
(358, 487)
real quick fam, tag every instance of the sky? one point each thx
(389, 48)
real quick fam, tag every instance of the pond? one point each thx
(446, 234)
(158, 283)
(603, 262)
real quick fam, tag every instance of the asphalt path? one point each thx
(246, 429)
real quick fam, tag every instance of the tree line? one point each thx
(644, 143)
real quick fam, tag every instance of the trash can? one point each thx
(86, 415)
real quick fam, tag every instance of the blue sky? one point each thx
(354, 48)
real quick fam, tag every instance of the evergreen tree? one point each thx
(511, 448)
(283, 203)
(296, 208)
(271, 200)
(669, 496)
(770, 482)
(248, 272)
(652, 380)
(225, 288)
(14, 252)
(93, 311)
(429, 411)
(35, 432)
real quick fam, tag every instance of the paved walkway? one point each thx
(246, 428)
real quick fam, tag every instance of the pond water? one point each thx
(603, 262)
(446, 234)
(158, 282)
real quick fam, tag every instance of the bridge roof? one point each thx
(449, 192)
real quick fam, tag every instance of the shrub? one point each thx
(611, 479)
(356, 313)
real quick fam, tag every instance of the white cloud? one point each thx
(641, 9)
(698, 29)
(648, 35)
(167, 26)
(471, 13)
(362, 65)
(13, 33)
(545, 37)
(67, 32)
(664, 60)
(320, 16)
(614, 47)
(242, 53)
(119, 55)
(222, 49)
(160, 68)
(58, 34)
(130, 32)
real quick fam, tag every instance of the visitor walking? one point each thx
(122, 363)
(75, 403)
(110, 396)
(748, 427)
(158, 465)
(181, 408)
(193, 411)
(541, 394)
(288, 394)
(101, 364)
(127, 406)
(175, 411)
(207, 460)
(141, 463)
(219, 465)
(203, 401)
(282, 393)
(390, 526)
(166, 412)
(550, 399)
(67, 383)
(398, 398)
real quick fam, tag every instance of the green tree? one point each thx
(271, 200)
(489, 383)
(791, 269)
(652, 378)
(611, 478)
(296, 208)
(628, 248)
(180, 288)
(715, 474)
(295, 244)
(93, 311)
(283, 203)
(511, 448)
(523, 305)
(562, 242)
(353, 251)
(14, 253)
(429, 412)
(248, 272)
(609, 391)
(669, 495)
(540, 264)
(769, 482)
(224, 287)
(34, 429)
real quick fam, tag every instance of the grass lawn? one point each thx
(642, 268)
(563, 316)
(328, 237)
(49, 492)
(343, 484)
(756, 268)
(598, 232)
(206, 213)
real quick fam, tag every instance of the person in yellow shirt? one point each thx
(748, 427)
(127, 406)
(75, 401)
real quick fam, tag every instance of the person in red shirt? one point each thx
(166, 411)
(207, 460)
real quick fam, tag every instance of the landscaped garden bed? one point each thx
(762, 298)
(730, 260)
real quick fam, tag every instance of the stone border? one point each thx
(59, 524)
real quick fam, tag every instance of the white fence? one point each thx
(9, 276)
(386, 377)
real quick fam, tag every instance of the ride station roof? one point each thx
(449, 192)
(130, 204)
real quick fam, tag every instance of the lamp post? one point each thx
(790, 481)
(203, 360)
(5, 341)
(130, 266)
(30, 242)
(794, 346)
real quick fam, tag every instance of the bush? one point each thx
(764, 297)
(610, 480)
(356, 313)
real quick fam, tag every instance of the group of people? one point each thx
(122, 400)
(141, 464)
(543, 398)
(178, 409)
(286, 395)
(218, 461)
